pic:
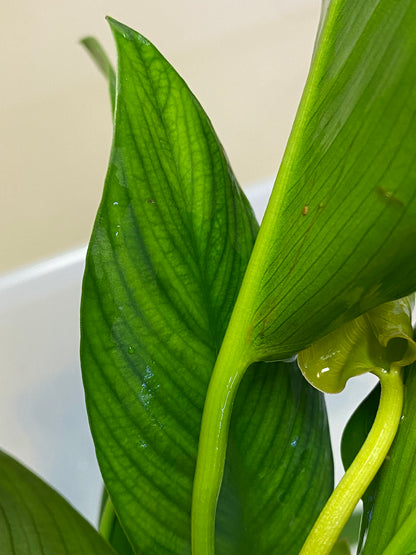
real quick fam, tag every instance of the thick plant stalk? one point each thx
(213, 442)
(359, 475)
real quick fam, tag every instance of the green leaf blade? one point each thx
(339, 236)
(170, 245)
(35, 519)
(280, 454)
(154, 303)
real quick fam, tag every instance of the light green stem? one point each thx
(226, 377)
(359, 475)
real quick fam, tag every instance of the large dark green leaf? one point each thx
(36, 520)
(170, 243)
(168, 252)
(339, 235)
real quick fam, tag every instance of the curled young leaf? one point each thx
(372, 342)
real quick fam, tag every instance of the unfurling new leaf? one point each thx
(373, 342)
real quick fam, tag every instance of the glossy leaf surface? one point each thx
(170, 245)
(373, 342)
(36, 520)
(339, 235)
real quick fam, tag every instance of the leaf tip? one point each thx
(120, 30)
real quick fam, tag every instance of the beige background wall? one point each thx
(245, 60)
